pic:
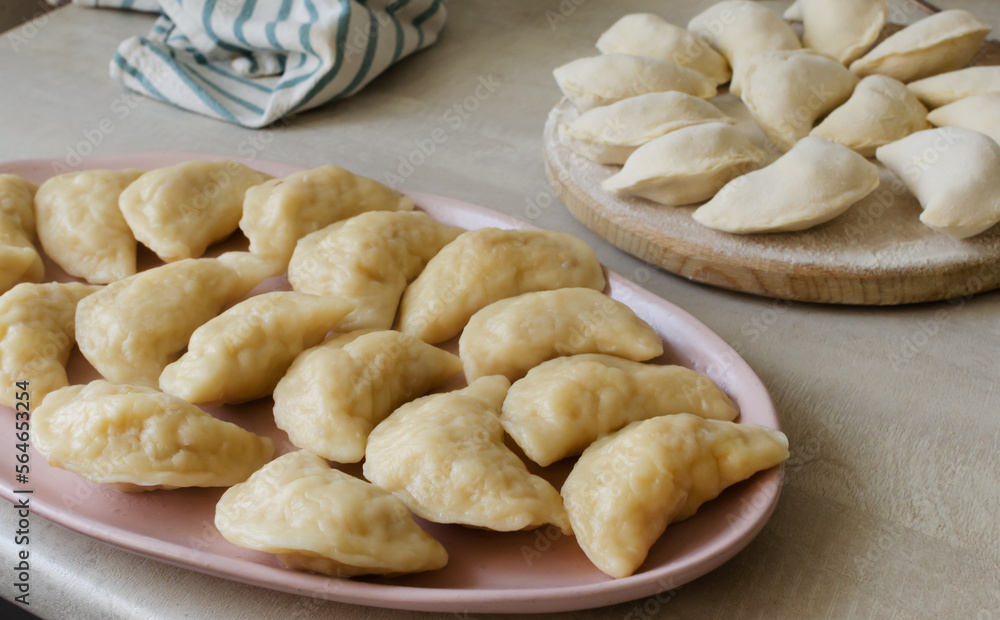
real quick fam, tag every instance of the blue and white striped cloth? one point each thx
(251, 62)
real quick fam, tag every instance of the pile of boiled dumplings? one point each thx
(644, 104)
(349, 357)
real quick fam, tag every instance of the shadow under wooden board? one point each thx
(877, 253)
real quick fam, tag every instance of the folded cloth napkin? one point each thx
(252, 62)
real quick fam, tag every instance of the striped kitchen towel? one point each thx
(252, 62)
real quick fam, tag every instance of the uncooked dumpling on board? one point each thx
(841, 29)
(137, 439)
(19, 260)
(561, 406)
(336, 393)
(609, 134)
(278, 213)
(787, 91)
(36, 336)
(444, 456)
(881, 110)
(131, 329)
(686, 166)
(941, 42)
(180, 210)
(601, 80)
(980, 113)
(954, 173)
(645, 34)
(322, 520)
(489, 264)
(945, 88)
(627, 487)
(369, 258)
(512, 336)
(81, 226)
(813, 183)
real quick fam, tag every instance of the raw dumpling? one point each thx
(36, 336)
(686, 166)
(601, 80)
(813, 183)
(941, 42)
(512, 336)
(787, 91)
(444, 456)
(369, 258)
(320, 519)
(980, 113)
(627, 487)
(561, 406)
(280, 212)
(609, 134)
(739, 30)
(336, 393)
(19, 260)
(133, 328)
(644, 34)
(487, 265)
(945, 88)
(841, 29)
(138, 439)
(241, 354)
(178, 211)
(881, 110)
(81, 227)
(954, 173)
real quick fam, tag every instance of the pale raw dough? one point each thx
(19, 260)
(81, 227)
(444, 456)
(512, 336)
(369, 258)
(980, 113)
(841, 29)
(241, 354)
(627, 487)
(601, 80)
(941, 42)
(180, 210)
(686, 166)
(609, 134)
(813, 183)
(336, 393)
(36, 336)
(881, 110)
(487, 265)
(561, 406)
(138, 439)
(948, 87)
(954, 173)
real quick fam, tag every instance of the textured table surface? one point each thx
(892, 494)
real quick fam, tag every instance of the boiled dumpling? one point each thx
(280, 212)
(980, 113)
(841, 29)
(320, 519)
(36, 336)
(787, 91)
(17, 203)
(600, 80)
(644, 34)
(881, 110)
(81, 227)
(241, 354)
(369, 258)
(941, 42)
(686, 166)
(133, 328)
(336, 393)
(813, 183)
(444, 456)
(561, 406)
(945, 88)
(512, 336)
(137, 439)
(487, 265)
(627, 487)
(609, 134)
(180, 210)
(954, 173)
(19, 260)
